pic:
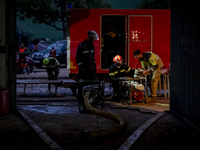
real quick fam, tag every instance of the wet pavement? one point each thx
(58, 115)
(41, 74)
(53, 108)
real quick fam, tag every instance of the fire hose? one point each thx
(102, 132)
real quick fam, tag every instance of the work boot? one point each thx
(147, 100)
(153, 99)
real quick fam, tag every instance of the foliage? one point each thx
(52, 12)
(155, 4)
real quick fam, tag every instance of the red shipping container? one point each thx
(121, 32)
(4, 102)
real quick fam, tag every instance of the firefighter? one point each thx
(118, 69)
(52, 66)
(155, 69)
(85, 60)
(85, 57)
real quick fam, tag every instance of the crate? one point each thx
(4, 102)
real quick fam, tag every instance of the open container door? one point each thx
(113, 38)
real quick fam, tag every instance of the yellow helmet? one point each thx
(46, 61)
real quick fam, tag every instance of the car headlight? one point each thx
(46, 55)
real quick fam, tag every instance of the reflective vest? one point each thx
(22, 49)
(151, 59)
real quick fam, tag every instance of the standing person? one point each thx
(85, 57)
(52, 52)
(155, 70)
(22, 58)
(22, 52)
(118, 69)
(22, 48)
(85, 60)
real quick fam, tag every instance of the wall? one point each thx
(8, 49)
(185, 64)
(2, 45)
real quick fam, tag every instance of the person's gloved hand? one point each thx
(145, 72)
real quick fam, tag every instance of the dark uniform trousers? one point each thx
(85, 59)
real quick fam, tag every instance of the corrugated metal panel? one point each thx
(185, 60)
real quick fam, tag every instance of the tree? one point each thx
(52, 12)
(155, 4)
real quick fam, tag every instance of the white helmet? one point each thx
(93, 35)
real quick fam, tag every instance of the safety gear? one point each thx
(151, 59)
(51, 62)
(93, 35)
(22, 49)
(151, 100)
(123, 71)
(114, 74)
(156, 64)
(85, 60)
(52, 67)
(118, 60)
(45, 61)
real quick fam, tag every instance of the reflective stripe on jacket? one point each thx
(124, 70)
(85, 55)
(151, 59)
(55, 64)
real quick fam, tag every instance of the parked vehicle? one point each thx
(24, 68)
(61, 55)
(42, 45)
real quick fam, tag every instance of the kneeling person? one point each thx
(118, 69)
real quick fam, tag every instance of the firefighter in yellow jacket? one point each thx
(155, 69)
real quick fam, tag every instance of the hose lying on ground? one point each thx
(103, 132)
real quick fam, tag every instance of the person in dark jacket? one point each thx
(85, 60)
(85, 57)
(118, 69)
